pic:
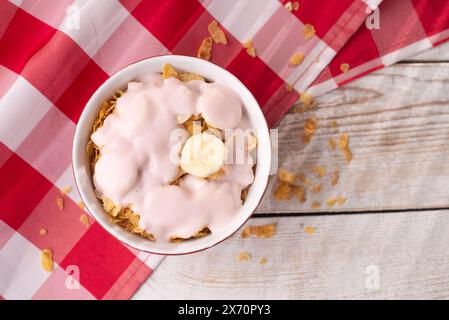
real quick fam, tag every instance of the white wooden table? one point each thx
(391, 237)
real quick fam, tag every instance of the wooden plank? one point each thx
(408, 250)
(398, 122)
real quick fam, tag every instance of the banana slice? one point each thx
(202, 155)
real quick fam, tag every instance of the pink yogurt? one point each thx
(140, 156)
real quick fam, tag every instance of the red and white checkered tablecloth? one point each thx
(51, 63)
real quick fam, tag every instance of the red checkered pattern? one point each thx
(53, 56)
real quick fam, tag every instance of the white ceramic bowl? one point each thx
(119, 80)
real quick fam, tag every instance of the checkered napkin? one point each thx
(55, 54)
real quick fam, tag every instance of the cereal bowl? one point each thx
(118, 81)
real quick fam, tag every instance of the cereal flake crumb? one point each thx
(85, 220)
(288, 88)
(309, 230)
(344, 146)
(334, 124)
(341, 200)
(217, 33)
(43, 232)
(296, 59)
(47, 260)
(300, 194)
(316, 205)
(263, 261)
(308, 31)
(286, 176)
(244, 256)
(307, 99)
(332, 144)
(321, 171)
(335, 177)
(81, 204)
(331, 202)
(262, 231)
(310, 126)
(316, 188)
(289, 6)
(60, 203)
(283, 192)
(205, 49)
(65, 190)
(344, 67)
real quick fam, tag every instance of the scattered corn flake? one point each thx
(334, 124)
(47, 260)
(262, 231)
(244, 256)
(303, 179)
(309, 230)
(60, 203)
(341, 200)
(43, 232)
(283, 192)
(316, 205)
(306, 99)
(335, 177)
(85, 220)
(343, 143)
(295, 6)
(344, 67)
(263, 261)
(289, 6)
(316, 188)
(306, 138)
(286, 176)
(247, 44)
(332, 144)
(252, 52)
(309, 129)
(217, 33)
(308, 31)
(186, 77)
(300, 193)
(81, 204)
(331, 202)
(168, 71)
(321, 171)
(205, 49)
(65, 190)
(288, 88)
(296, 59)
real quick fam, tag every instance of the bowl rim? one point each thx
(106, 227)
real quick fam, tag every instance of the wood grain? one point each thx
(437, 54)
(410, 250)
(398, 123)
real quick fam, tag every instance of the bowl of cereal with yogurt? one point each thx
(171, 155)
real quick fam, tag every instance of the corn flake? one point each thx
(263, 261)
(217, 33)
(332, 144)
(65, 190)
(335, 177)
(344, 67)
(316, 205)
(296, 59)
(205, 49)
(43, 232)
(308, 31)
(289, 6)
(307, 99)
(344, 146)
(300, 193)
(283, 192)
(244, 256)
(286, 176)
(309, 230)
(60, 203)
(47, 260)
(321, 171)
(85, 220)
